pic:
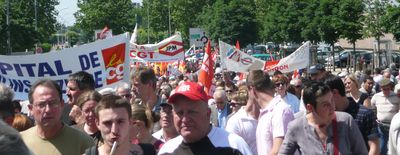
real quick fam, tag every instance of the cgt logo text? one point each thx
(114, 59)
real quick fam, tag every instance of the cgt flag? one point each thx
(206, 73)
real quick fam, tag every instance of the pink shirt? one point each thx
(272, 123)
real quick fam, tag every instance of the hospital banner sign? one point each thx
(107, 60)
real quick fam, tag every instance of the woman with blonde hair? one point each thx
(142, 124)
(238, 99)
(353, 90)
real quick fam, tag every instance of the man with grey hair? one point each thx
(11, 142)
(124, 90)
(6, 106)
(220, 110)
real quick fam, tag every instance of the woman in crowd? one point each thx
(238, 100)
(353, 90)
(322, 130)
(142, 123)
(87, 102)
(281, 84)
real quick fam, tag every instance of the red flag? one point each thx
(206, 73)
(237, 45)
(296, 74)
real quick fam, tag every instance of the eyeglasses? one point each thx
(51, 104)
(228, 91)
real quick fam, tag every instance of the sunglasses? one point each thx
(234, 104)
(228, 91)
(279, 84)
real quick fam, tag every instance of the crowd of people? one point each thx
(316, 113)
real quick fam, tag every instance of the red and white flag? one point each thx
(105, 33)
(206, 73)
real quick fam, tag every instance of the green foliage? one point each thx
(351, 18)
(96, 14)
(311, 22)
(230, 21)
(22, 23)
(392, 21)
(46, 47)
(374, 23)
(185, 14)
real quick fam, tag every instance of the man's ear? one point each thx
(30, 107)
(309, 108)
(96, 120)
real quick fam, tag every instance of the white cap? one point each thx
(107, 91)
(218, 70)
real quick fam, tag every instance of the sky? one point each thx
(66, 10)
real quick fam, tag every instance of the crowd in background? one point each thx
(314, 113)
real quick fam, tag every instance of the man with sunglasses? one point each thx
(51, 136)
(124, 91)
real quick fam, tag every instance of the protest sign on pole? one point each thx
(107, 60)
(168, 50)
(299, 59)
(236, 60)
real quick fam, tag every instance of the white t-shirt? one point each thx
(219, 139)
(245, 126)
(394, 135)
(159, 135)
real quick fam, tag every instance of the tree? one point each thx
(230, 21)
(330, 22)
(351, 16)
(23, 26)
(185, 15)
(311, 22)
(273, 25)
(96, 14)
(374, 11)
(392, 21)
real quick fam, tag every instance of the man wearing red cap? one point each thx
(192, 121)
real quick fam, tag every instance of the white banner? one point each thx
(107, 60)
(299, 59)
(168, 50)
(236, 60)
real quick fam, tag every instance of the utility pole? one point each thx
(148, 22)
(169, 18)
(36, 44)
(8, 29)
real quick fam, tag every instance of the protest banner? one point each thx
(107, 60)
(168, 50)
(299, 59)
(235, 60)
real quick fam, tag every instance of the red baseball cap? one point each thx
(191, 90)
